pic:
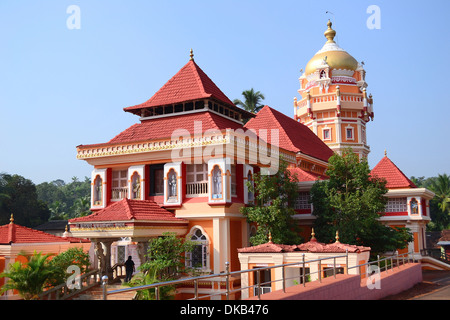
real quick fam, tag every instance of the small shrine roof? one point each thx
(394, 176)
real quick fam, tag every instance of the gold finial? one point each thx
(313, 234)
(11, 220)
(66, 228)
(385, 153)
(191, 55)
(337, 237)
(330, 33)
(270, 237)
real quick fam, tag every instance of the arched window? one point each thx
(98, 191)
(198, 257)
(135, 186)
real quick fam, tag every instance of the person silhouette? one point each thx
(129, 267)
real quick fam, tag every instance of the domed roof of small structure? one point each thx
(332, 54)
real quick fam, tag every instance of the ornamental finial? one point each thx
(330, 33)
(11, 220)
(313, 234)
(191, 55)
(270, 237)
(337, 237)
(385, 153)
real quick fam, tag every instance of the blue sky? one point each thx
(62, 87)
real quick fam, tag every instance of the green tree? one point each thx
(351, 201)
(30, 279)
(252, 102)
(71, 257)
(166, 255)
(20, 198)
(165, 261)
(273, 209)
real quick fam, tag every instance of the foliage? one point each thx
(32, 278)
(147, 278)
(66, 200)
(18, 196)
(273, 209)
(252, 102)
(440, 204)
(165, 256)
(72, 256)
(351, 202)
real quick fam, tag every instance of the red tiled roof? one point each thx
(163, 128)
(337, 247)
(293, 136)
(312, 246)
(190, 83)
(127, 209)
(303, 175)
(394, 176)
(13, 233)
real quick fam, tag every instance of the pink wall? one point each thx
(351, 287)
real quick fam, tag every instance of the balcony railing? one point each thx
(197, 188)
(119, 193)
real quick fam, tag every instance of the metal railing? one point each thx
(437, 254)
(385, 263)
(63, 291)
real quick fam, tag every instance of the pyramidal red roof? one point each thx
(293, 136)
(127, 209)
(163, 128)
(394, 176)
(190, 83)
(14, 233)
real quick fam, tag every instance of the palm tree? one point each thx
(252, 101)
(441, 187)
(29, 279)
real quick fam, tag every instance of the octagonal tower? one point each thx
(334, 102)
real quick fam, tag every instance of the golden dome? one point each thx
(335, 56)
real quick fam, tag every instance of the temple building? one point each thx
(185, 165)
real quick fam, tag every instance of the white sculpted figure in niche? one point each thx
(172, 183)
(217, 178)
(98, 191)
(136, 186)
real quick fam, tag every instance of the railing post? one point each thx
(334, 267)
(196, 289)
(104, 283)
(346, 259)
(258, 287)
(284, 281)
(378, 262)
(227, 268)
(304, 271)
(157, 293)
(320, 271)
